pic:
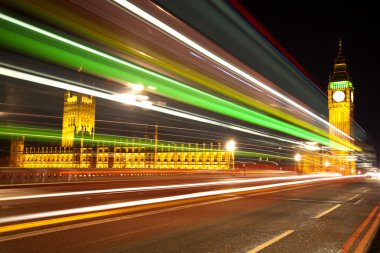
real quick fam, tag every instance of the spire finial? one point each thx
(340, 57)
(340, 66)
(340, 51)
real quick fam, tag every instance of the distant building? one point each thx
(341, 107)
(78, 117)
(341, 112)
(76, 151)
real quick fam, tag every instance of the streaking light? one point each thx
(161, 187)
(176, 90)
(143, 104)
(18, 218)
(129, 6)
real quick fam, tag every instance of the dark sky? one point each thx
(310, 31)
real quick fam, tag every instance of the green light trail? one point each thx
(54, 136)
(44, 45)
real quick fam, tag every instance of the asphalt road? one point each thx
(309, 217)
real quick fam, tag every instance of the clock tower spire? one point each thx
(340, 67)
(341, 108)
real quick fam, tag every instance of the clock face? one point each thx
(338, 96)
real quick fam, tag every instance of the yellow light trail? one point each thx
(90, 28)
(198, 97)
(164, 27)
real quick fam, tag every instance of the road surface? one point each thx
(191, 214)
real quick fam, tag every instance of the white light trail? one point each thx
(155, 188)
(147, 105)
(23, 217)
(142, 104)
(162, 26)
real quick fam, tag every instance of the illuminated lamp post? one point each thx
(327, 164)
(297, 158)
(231, 146)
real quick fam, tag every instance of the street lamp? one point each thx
(136, 87)
(297, 158)
(231, 146)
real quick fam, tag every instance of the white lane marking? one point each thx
(309, 200)
(327, 211)
(271, 241)
(293, 188)
(357, 195)
(358, 201)
(22, 217)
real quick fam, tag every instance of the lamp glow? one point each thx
(231, 145)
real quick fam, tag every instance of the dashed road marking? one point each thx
(357, 195)
(327, 211)
(271, 241)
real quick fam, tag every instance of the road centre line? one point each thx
(327, 211)
(271, 241)
(269, 192)
(357, 195)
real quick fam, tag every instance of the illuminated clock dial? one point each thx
(339, 96)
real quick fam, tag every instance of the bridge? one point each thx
(133, 111)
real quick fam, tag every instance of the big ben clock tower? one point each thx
(341, 108)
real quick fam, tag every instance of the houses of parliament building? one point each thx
(76, 151)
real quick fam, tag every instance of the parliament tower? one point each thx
(341, 108)
(78, 118)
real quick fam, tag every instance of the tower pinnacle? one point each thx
(340, 58)
(340, 66)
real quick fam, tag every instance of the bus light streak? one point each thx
(108, 96)
(146, 16)
(172, 88)
(154, 188)
(80, 210)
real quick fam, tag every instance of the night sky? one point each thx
(310, 31)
